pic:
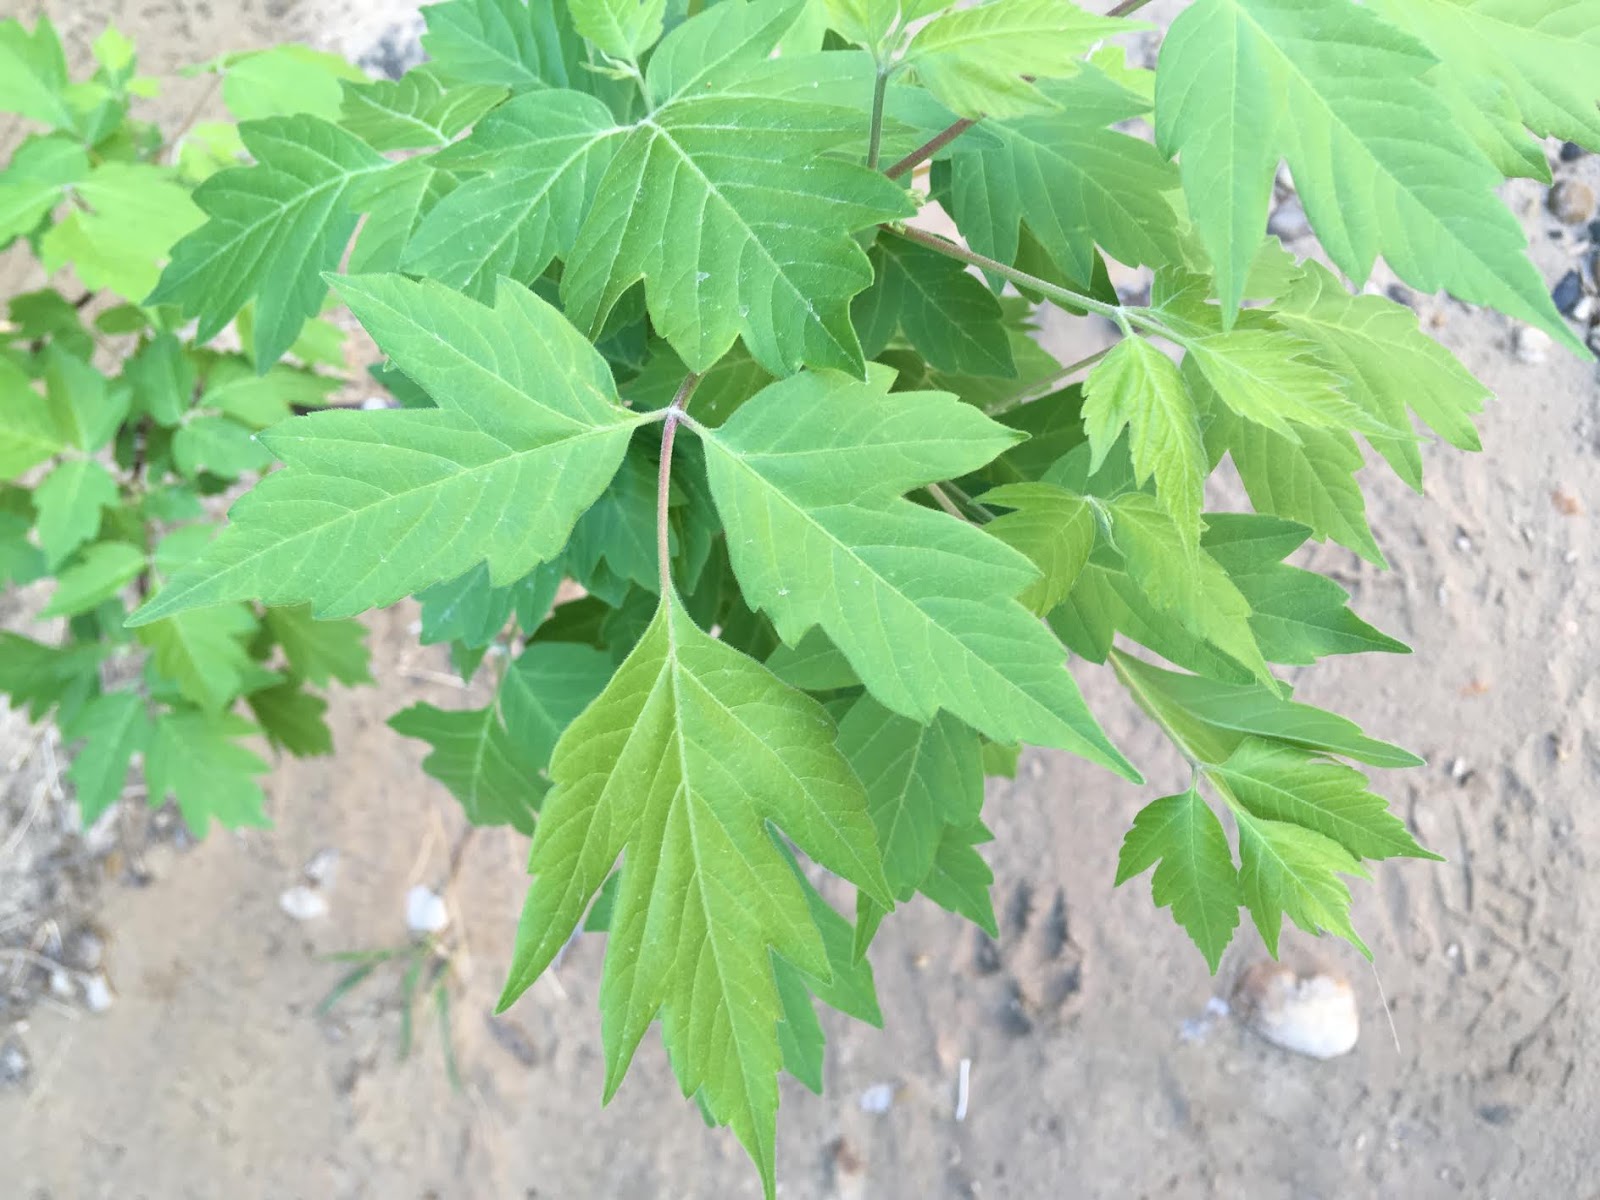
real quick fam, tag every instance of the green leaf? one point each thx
(69, 501)
(975, 59)
(503, 43)
(545, 689)
(744, 164)
(1544, 53)
(29, 430)
(1284, 783)
(378, 505)
(1138, 387)
(273, 229)
(1195, 877)
(1211, 719)
(1287, 870)
(1388, 364)
(1074, 182)
(40, 676)
(87, 409)
(916, 600)
(32, 183)
(114, 727)
(919, 778)
(129, 217)
(219, 445)
(624, 29)
(162, 377)
(1272, 379)
(541, 157)
(959, 879)
(33, 73)
(320, 650)
(482, 765)
(1297, 616)
(947, 315)
(733, 379)
(100, 572)
(1243, 82)
(292, 719)
(1184, 581)
(21, 562)
(284, 80)
(1055, 528)
(203, 652)
(415, 112)
(678, 767)
(196, 757)
(396, 201)
(1309, 479)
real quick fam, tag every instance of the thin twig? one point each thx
(1040, 388)
(930, 147)
(945, 502)
(1126, 7)
(669, 432)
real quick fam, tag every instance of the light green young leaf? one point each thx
(414, 112)
(100, 572)
(320, 650)
(678, 768)
(539, 160)
(624, 29)
(1242, 82)
(1297, 616)
(30, 431)
(947, 315)
(273, 229)
(1075, 182)
(1273, 378)
(1287, 870)
(197, 759)
(33, 181)
(378, 505)
(292, 719)
(1181, 837)
(33, 73)
(203, 652)
(86, 408)
(1309, 478)
(114, 727)
(1545, 53)
(1138, 387)
(1284, 783)
(132, 215)
(716, 46)
(975, 59)
(68, 502)
(1388, 365)
(1055, 528)
(809, 476)
(284, 80)
(1212, 719)
(1183, 581)
(919, 779)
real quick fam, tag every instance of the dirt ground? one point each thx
(1092, 1074)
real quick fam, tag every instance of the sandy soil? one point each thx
(212, 1075)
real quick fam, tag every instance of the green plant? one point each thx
(648, 289)
(137, 428)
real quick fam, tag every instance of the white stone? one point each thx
(303, 903)
(1530, 345)
(425, 910)
(1311, 1014)
(97, 994)
(877, 1099)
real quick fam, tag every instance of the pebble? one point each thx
(15, 1065)
(877, 1099)
(1530, 345)
(1572, 202)
(1567, 293)
(1571, 152)
(321, 867)
(303, 903)
(97, 993)
(425, 911)
(1288, 221)
(1314, 1014)
(1585, 310)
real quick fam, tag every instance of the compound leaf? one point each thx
(1288, 870)
(203, 652)
(196, 758)
(917, 600)
(1195, 877)
(1053, 527)
(678, 768)
(33, 73)
(377, 505)
(114, 727)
